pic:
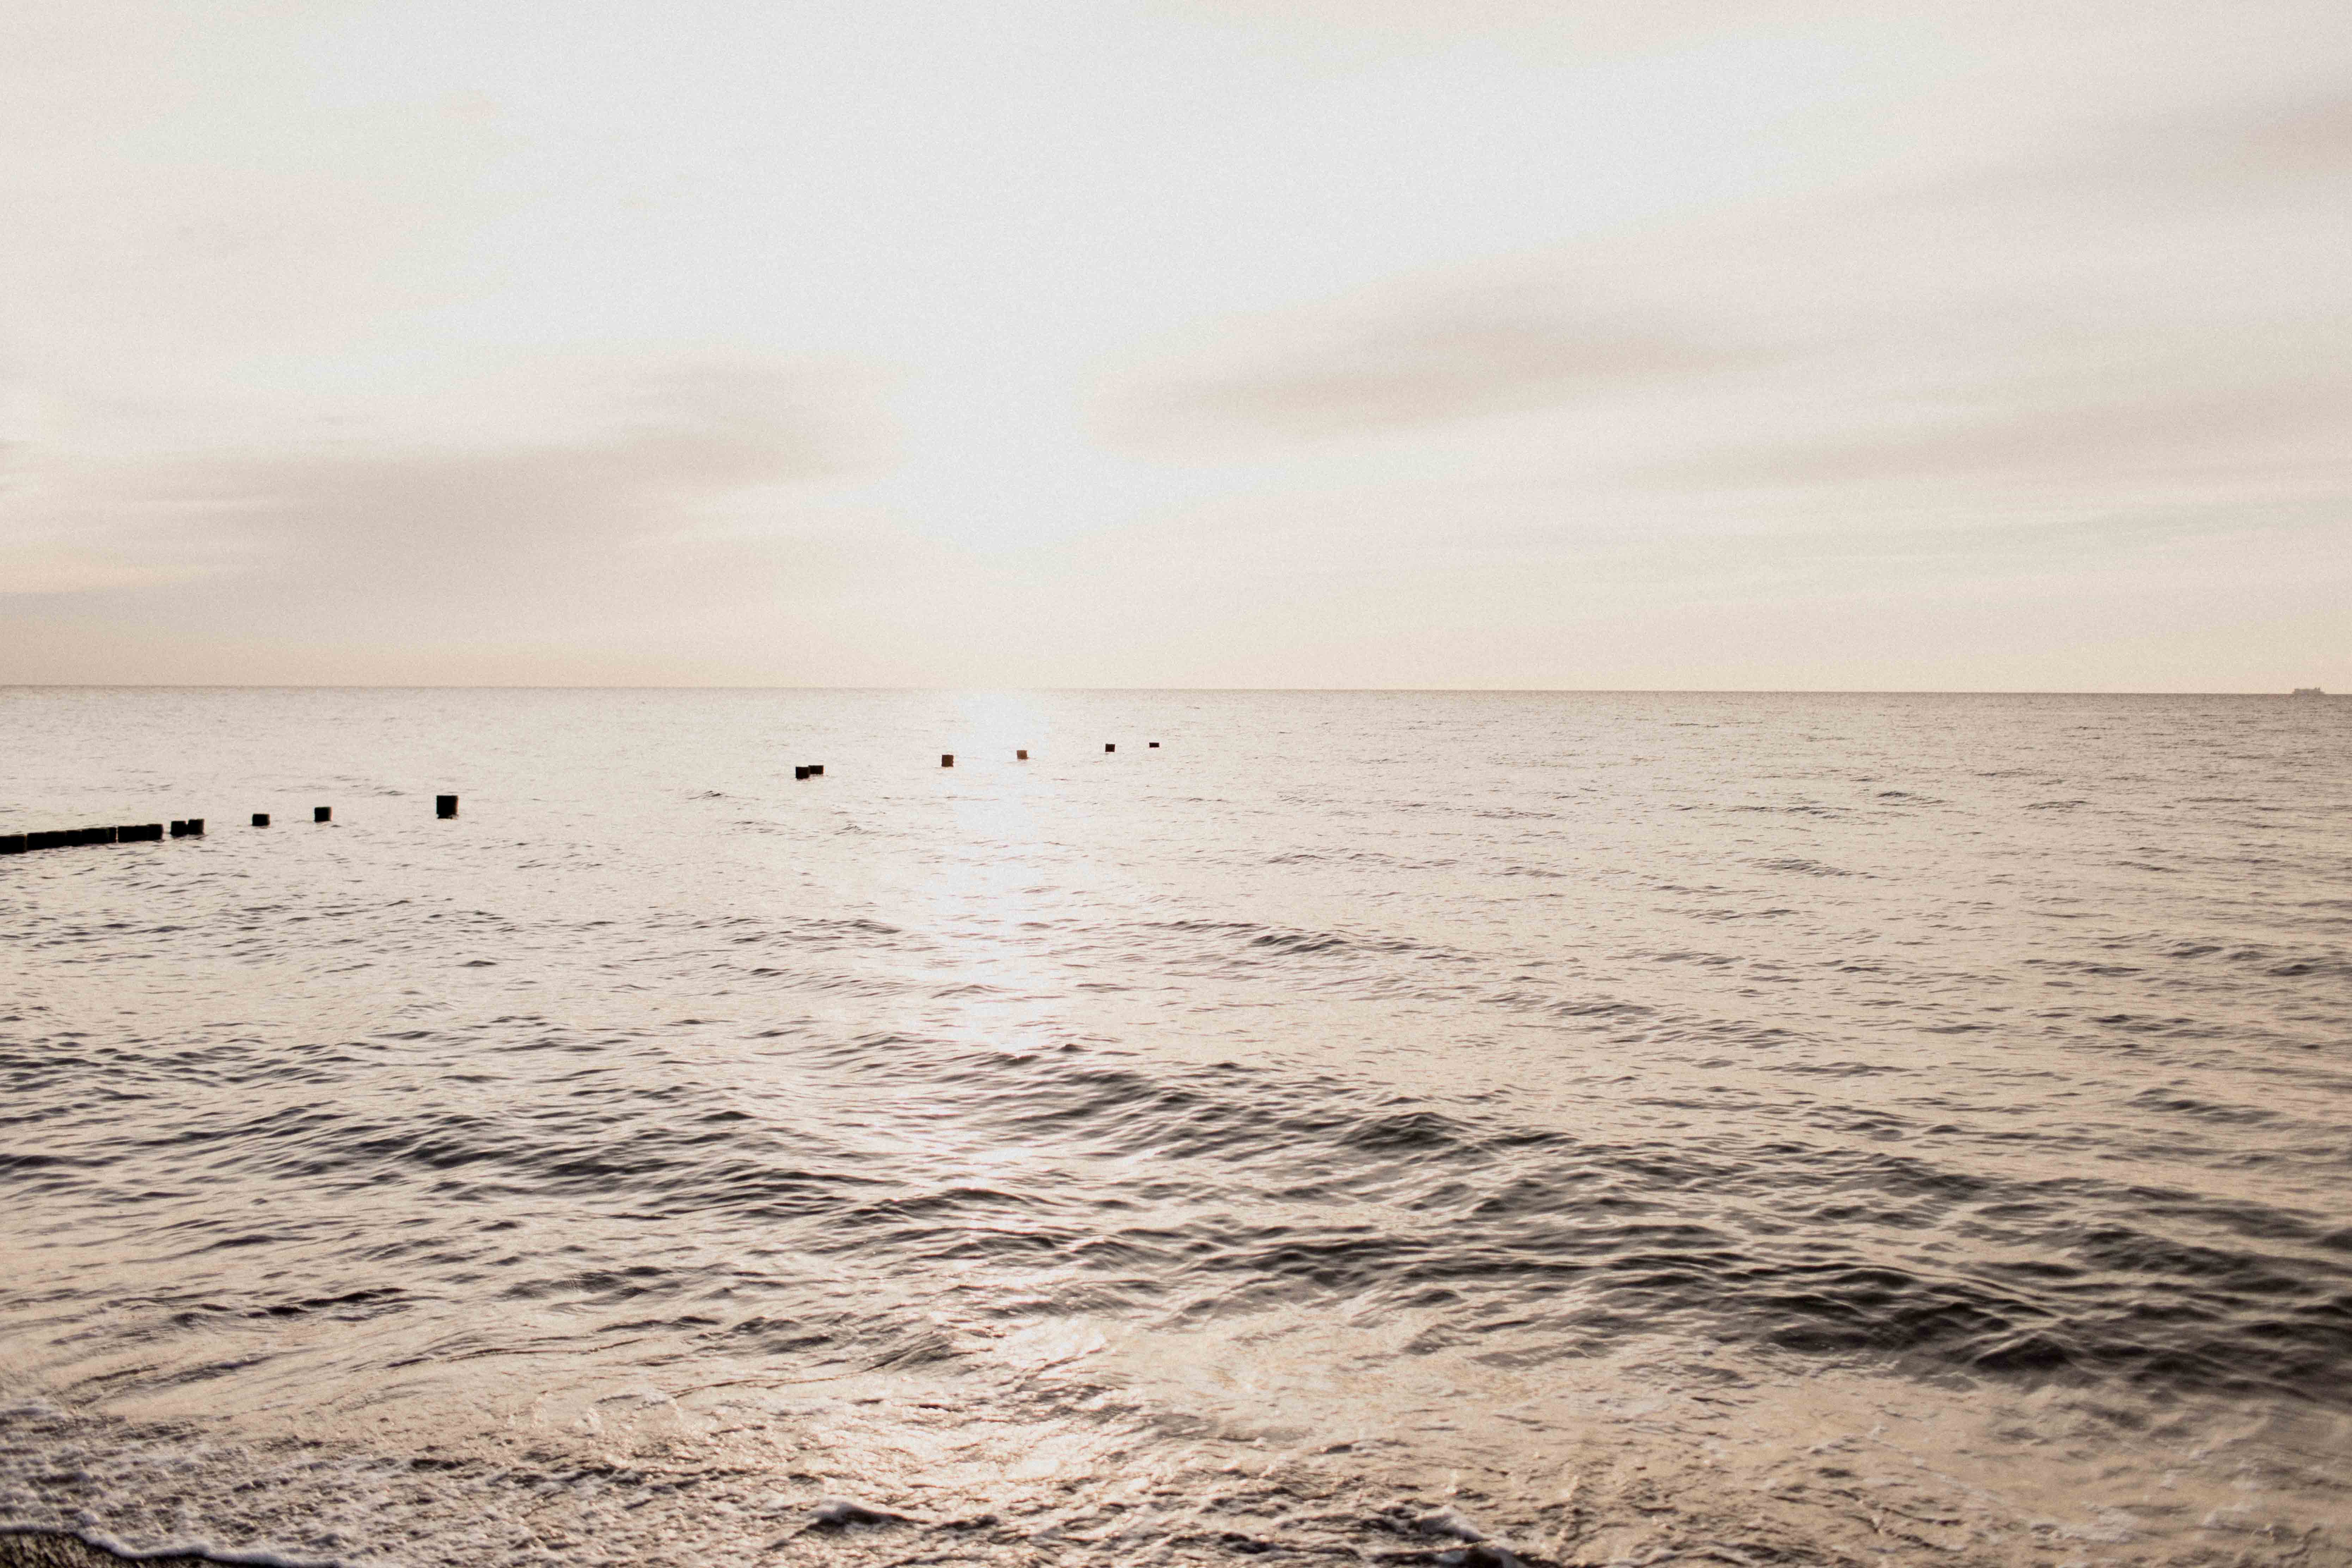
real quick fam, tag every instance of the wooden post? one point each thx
(947, 759)
(322, 814)
(1021, 755)
(444, 806)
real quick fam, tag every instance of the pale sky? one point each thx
(1719, 343)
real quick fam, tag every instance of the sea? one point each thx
(1328, 1127)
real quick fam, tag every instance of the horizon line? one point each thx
(1290, 690)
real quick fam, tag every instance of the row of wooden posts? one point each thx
(947, 759)
(444, 805)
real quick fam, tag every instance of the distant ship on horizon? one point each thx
(2309, 692)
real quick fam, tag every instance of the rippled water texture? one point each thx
(1746, 1129)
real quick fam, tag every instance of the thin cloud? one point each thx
(1423, 362)
(2253, 149)
(475, 534)
(2289, 434)
(2312, 135)
(1940, 326)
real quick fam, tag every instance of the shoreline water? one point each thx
(22, 1548)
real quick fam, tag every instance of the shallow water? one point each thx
(1633, 1127)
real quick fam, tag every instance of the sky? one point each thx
(1727, 345)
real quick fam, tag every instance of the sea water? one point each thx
(1627, 1128)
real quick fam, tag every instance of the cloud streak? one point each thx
(2133, 309)
(690, 522)
(1419, 362)
(2273, 436)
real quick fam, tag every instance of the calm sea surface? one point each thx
(1636, 1128)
